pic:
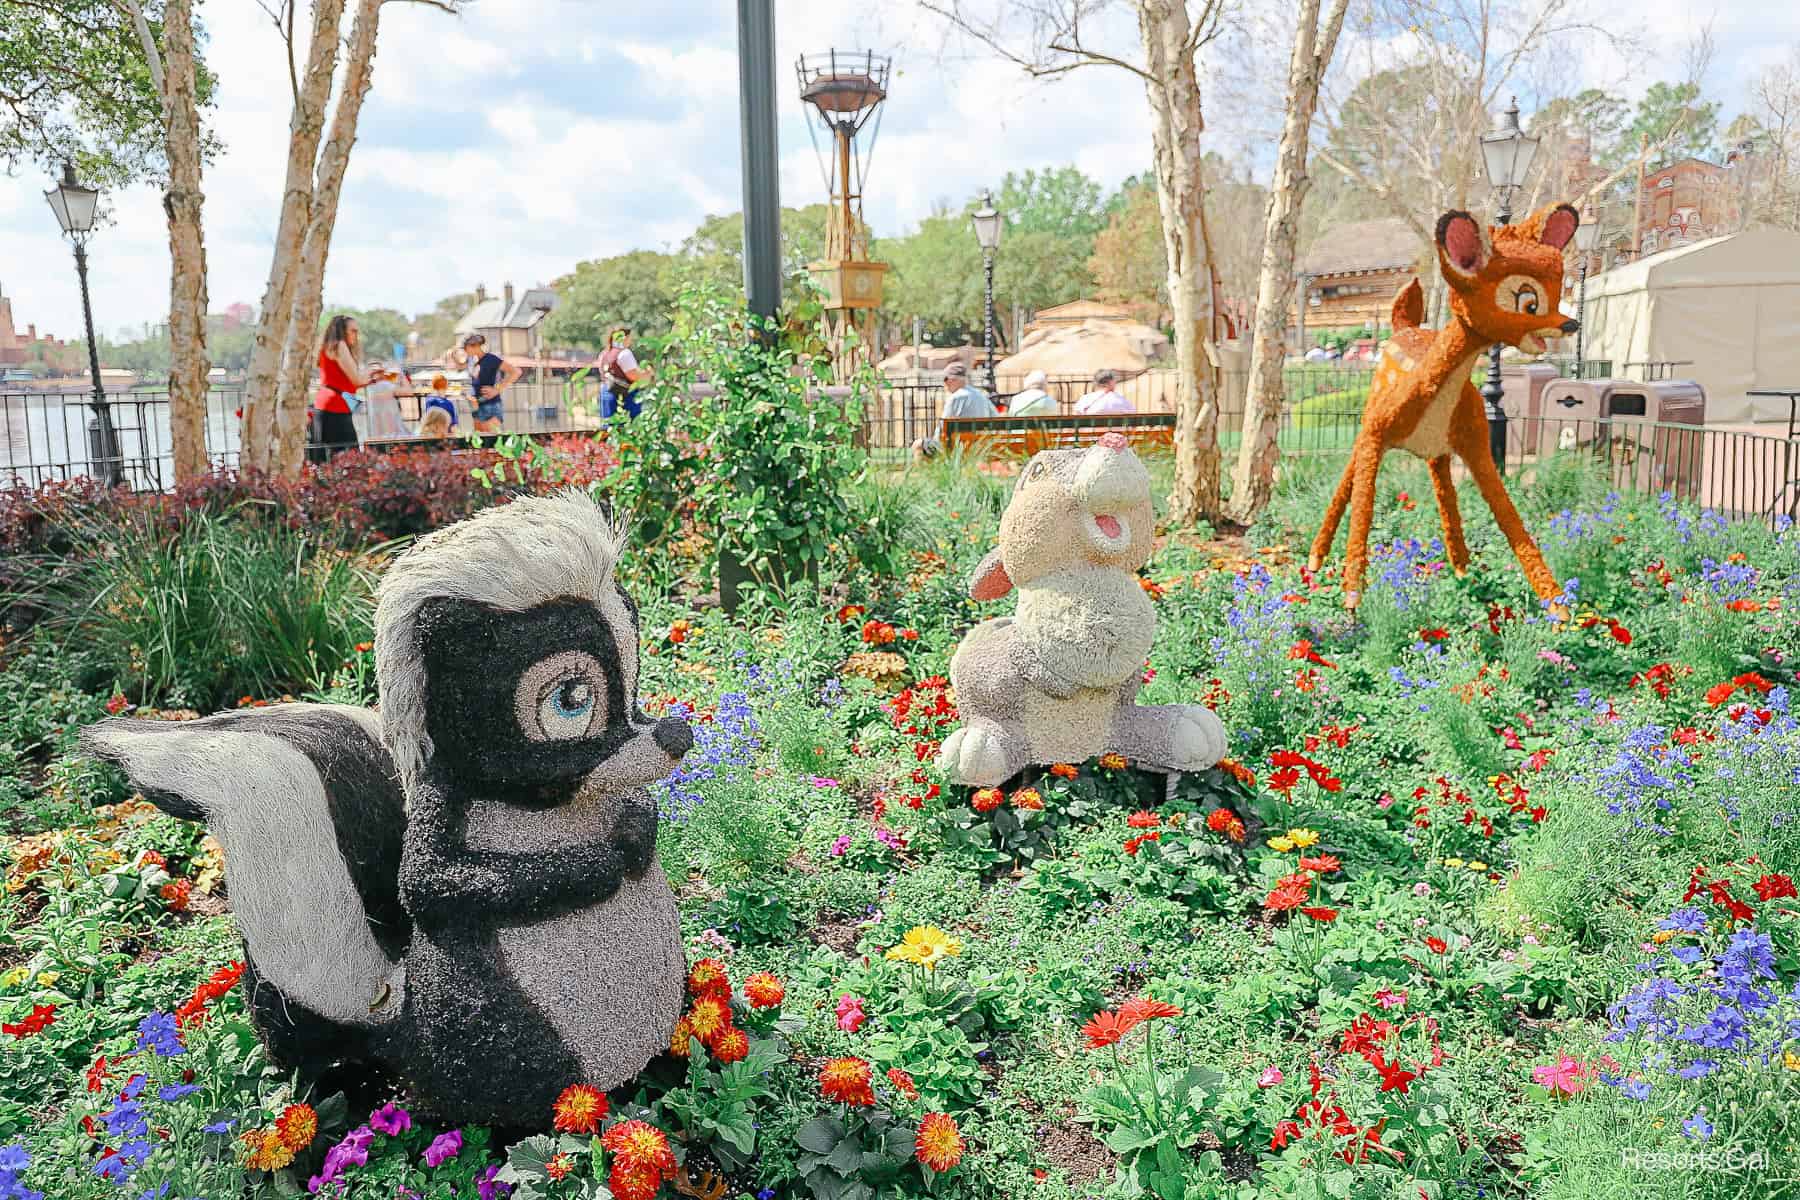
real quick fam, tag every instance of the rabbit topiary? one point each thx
(1058, 682)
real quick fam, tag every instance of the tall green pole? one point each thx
(762, 191)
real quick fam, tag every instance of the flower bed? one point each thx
(1482, 904)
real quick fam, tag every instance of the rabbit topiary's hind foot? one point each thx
(1172, 737)
(979, 755)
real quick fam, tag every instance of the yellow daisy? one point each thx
(1303, 838)
(1283, 844)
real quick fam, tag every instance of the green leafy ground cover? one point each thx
(1488, 905)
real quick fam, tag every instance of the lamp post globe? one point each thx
(1506, 154)
(1587, 237)
(988, 223)
(75, 207)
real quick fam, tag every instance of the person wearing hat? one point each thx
(489, 376)
(961, 399)
(1034, 401)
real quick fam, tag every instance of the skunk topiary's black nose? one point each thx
(673, 736)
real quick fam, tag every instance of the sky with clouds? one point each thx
(510, 142)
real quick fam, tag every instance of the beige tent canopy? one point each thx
(1731, 304)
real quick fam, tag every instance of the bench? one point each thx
(1022, 437)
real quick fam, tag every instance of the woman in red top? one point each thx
(341, 373)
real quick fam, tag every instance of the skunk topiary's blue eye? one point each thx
(561, 698)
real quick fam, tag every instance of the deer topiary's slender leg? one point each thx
(1334, 512)
(1470, 440)
(1445, 490)
(1364, 466)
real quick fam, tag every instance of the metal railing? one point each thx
(45, 435)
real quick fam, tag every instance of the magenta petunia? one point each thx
(391, 1119)
(443, 1148)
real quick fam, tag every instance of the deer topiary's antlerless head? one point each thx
(1506, 281)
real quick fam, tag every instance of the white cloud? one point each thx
(529, 134)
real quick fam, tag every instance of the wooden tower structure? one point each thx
(844, 90)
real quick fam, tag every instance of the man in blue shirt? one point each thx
(961, 399)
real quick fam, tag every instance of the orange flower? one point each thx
(1302, 651)
(297, 1125)
(708, 978)
(267, 1151)
(680, 632)
(709, 1017)
(558, 1168)
(640, 1148)
(1323, 915)
(1143, 819)
(986, 800)
(731, 1045)
(1028, 798)
(678, 1041)
(580, 1108)
(1237, 771)
(1106, 1028)
(1112, 760)
(939, 1145)
(1147, 1008)
(850, 612)
(903, 1083)
(1324, 864)
(1063, 771)
(176, 894)
(846, 1080)
(763, 990)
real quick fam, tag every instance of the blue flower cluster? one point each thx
(1643, 774)
(728, 741)
(1400, 564)
(126, 1122)
(14, 1160)
(1729, 580)
(1569, 526)
(1259, 619)
(1708, 1009)
(157, 1032)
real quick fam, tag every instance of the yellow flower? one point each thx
(1283, 844)
(925, 945)
(1790, 1060)
(1303, 837)
(1454, 863)
(48, 978)
(1476, 864)
(15, 977)
(1662, 935)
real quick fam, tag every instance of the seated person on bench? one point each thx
(1105, 397)
(961, 400)
(1034, 401)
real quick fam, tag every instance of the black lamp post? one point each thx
(1507, 153)
(75, 207)
(987, 232)
(1587, 236)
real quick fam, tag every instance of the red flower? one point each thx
(1284, 780)
(939, 1144)
(42, 1017)
(1324, 864)
(708, 978)
(1106, 1028)
(96, 1075)
(763, 990)
(731, 1045)
(117, 704)
(1775, 887)
(1144, 819)
(1146, 1008)
(1433, 635)
(847, 1080)
(1302, 651)
(1136, 843)
(1290, 892)
(850, 612)
(1063, 770)
(986, 800)
(1437, 945)
(580, 1109)
(1322, 915)
(641, 1159)
(903, 1083)
(1394, 1076)
(176, 894)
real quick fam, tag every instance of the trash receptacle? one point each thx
(1630, 424)
(1522, 396)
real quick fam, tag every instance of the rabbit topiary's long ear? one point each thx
(990, 581)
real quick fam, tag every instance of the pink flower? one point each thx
(1389, 998)
(1421, 890)
(1529, 939)
(391, 1119)
(1386, 801)
(1564, 1077)
(1270, 1077)
(850, 1014)
(840, 846)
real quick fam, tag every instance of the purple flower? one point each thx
(391, 1119)
(444, 1147)
(841, 846)
(488, 1188)
(176, 1091)
(157, 1032)
(353, 1151)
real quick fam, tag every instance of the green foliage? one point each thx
(634, 289)
(717, 1109)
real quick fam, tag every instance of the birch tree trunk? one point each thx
(1172, 86)
(301, 339)
(259, 439)
(1254, 478)
(174, 81)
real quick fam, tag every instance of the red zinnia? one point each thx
(939, 1145)
(764, 990)
(986, 800)
(708, 978)
(1132, 846)
(847, 1080)
(1144, 819)
(1147, 1008)
(731, 1045)
(903, 1083)
(1324, 864)
(1323, 915)
(580, 1108)
(1437, 945)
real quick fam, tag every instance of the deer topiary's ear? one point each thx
(1556, 226)
(1462, 243)
(990, 581)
